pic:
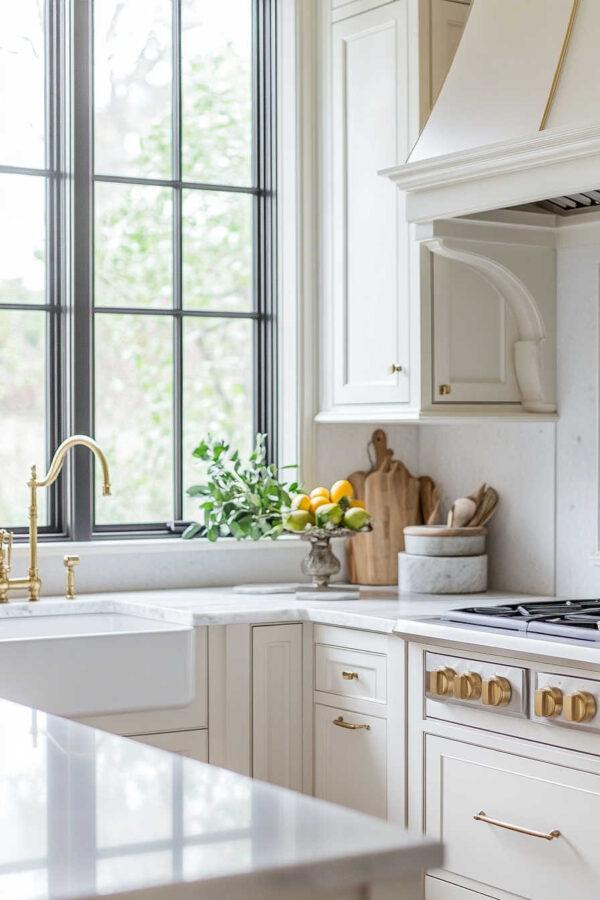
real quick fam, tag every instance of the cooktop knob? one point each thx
(579, 707)
(548, 702)
(467, 686)
(496, 691)
(440, 682)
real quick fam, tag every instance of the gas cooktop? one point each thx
(572, 619)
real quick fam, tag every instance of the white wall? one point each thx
(517, 459)
(578, 572)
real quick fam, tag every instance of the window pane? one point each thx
(22, 401)
(217, 251)
(217, 390)
(217, 91)
(134, 416)
(132, 87)
(22, 66)
(133, 245)
(23, 239)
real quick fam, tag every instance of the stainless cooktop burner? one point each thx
(573, 619)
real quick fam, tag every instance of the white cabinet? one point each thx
(277, 704)
(448, 19)
(473, 338)
(464, 781)
(193, 744)
(351, 759)
(365, 291)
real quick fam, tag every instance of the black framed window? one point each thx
(144, 314)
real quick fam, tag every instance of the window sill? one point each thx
(152, 546)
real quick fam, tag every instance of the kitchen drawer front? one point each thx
(193, 744)
(351, 673)
(463, 780)
(351, 763)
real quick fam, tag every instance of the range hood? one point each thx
(518, 118)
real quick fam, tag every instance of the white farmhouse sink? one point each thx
(79, 664)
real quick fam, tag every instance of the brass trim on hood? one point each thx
(559, 65)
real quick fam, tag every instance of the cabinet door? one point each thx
(369, 234)
(350, 760)
(464, 782)
(193, 744)
(277, 704)
(448, 19)
(473, 338)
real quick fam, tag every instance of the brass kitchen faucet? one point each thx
(32, 581)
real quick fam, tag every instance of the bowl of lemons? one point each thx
(319, 516)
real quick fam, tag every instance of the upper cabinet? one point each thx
(416, 323)
(368, 237)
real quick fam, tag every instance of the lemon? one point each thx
(329, 514)
(298, 521)
(360, 504)
(356, 518)
(341, 489)
(318, 501)
(320, 492)
(301, 501)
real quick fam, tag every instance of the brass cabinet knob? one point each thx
(496, 691)
(548, 702)
(445, 389)
(467, 686)
(350, 676)
(579, 707)
(394, 368)
(440, 682)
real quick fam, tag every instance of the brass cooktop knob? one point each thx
(548, 702)
(496, 691)
(440, 682)
(579, 707)
(467, 686)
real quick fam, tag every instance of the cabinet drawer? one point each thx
(351, 762)
(351, 673)
(193, 744)
(463, 780)
(436, 889)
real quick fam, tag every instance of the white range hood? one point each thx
(518, 118)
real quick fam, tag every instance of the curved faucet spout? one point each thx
(59, 457)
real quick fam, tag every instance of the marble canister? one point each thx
(442, 574)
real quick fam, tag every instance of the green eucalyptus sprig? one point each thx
(240, 499)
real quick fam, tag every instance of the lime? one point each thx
(298, 521)
(356, 518)
(329, 514)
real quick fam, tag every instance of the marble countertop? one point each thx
(86, 814)
(384, 610)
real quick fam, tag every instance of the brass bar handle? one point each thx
(545, 835)
(350, 676)
(341, 724)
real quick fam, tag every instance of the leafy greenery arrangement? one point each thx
(240, 499)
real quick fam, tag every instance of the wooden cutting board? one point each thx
(393, 498)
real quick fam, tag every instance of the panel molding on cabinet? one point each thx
(368, 281)
(193, 744)
(351, 762)
(277, 704)
(473, 338)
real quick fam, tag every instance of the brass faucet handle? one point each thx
(6, 536)
(70, 562)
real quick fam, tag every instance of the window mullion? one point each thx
(176, 174)
(81, 300)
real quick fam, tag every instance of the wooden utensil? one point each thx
(430, 500)
(486, 508)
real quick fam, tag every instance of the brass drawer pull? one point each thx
(545, 835)
(350, 676)
(341, 724)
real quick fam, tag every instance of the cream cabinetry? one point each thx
(359, 720)
(193, 744)
(366, 319)
(277, 704)
(469, 789)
